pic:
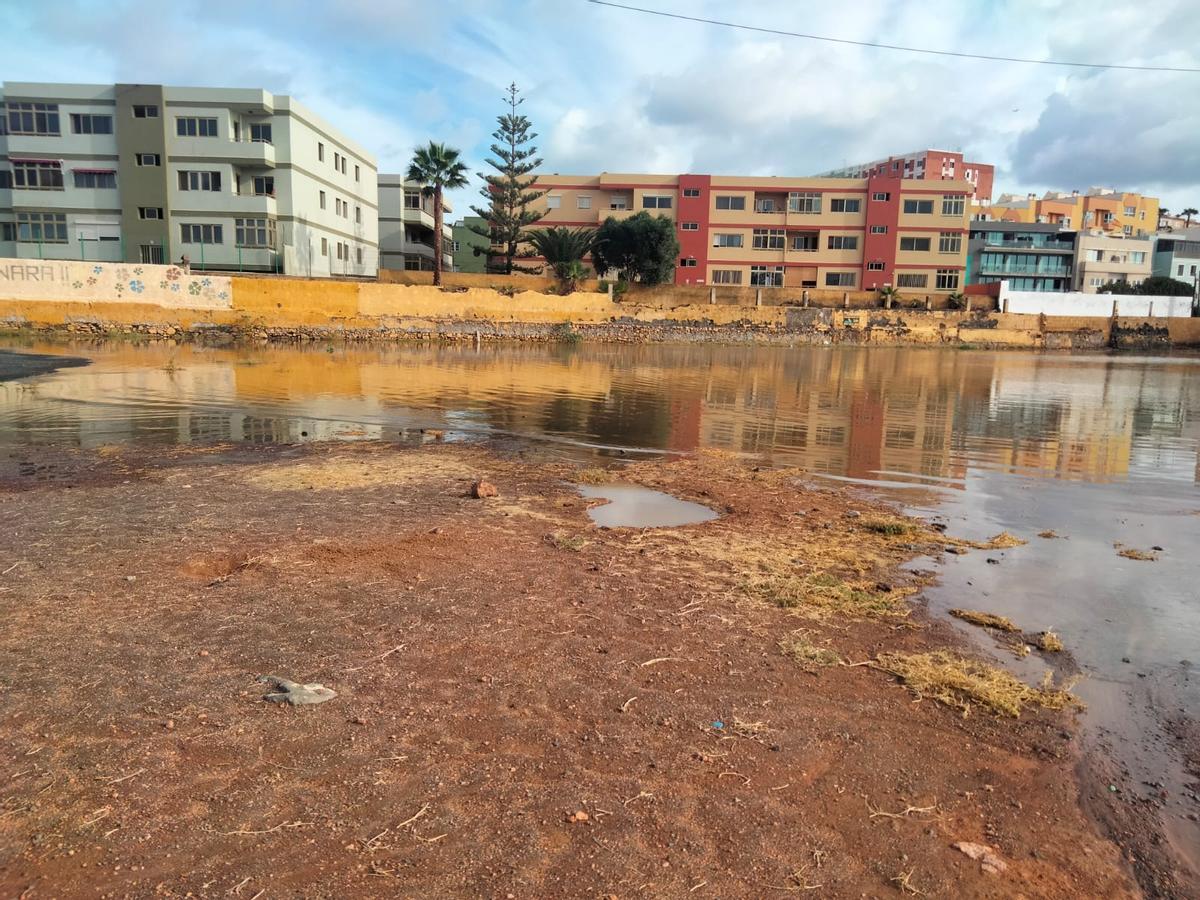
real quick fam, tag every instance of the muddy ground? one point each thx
(528, 706)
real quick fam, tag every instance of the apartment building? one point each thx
(1102, 258)
(1103, 209)
(927, 165)
(406, 227)
(234, 179)
(1177, 255)
(1033, 257)
(829, 233)
(467, 242)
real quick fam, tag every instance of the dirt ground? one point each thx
(528, 706)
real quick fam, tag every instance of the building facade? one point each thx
(1103, 209)
(406, 227)
(466, 242)
(830, 233)
(1177, 255)
(928, 165)
(1033, 257)
(233, 179)
(1100, 258)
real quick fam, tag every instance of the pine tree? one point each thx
(507, 211)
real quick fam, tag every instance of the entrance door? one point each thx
(153, 255)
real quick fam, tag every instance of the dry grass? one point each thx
(1134, 553)
(349, 473)
(810, 656)
(560, 540)
(823, 594)
(595, 476)
(1049, 534)
(966, 683)
(1050, 642)
(985, 619)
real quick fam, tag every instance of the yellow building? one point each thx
(1110, 211)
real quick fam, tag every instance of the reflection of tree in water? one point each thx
(629, 416)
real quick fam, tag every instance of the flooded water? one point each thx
(1102, 449)
(632, 506)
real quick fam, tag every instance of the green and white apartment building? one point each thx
(233, 179)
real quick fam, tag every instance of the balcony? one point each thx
(252, 154)
(1010, 269)
(1026, 245)
(222, 202)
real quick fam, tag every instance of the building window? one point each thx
(727, 276)
(88, 178)
(356, 173)
(324, 246)
(339, 249)
(322, 199)
(86, 123)
(805, 242)
(583, 201)
(260, 133)
(804, 202)
(150, 212)
(655, 201)
(254, 232)
(264, 185)
(191, 126)
(1142, 215)
(766, 276)
(553, 201)
(922, 207)
(843, 205)
(320, 152)
(689, 226)
(37, 176)
(875, 266)
(41, 228)
(199, 181)
(915, 244)
(1137, 257)
(344, 172)
(149, 159)
(949, 242)
(912, 281)
(358, 215)
(883, 196)
(879, 229)
(728, 240)
(691, 192)
(953, 205)
(766, 205)
(842, 242)
(947, 279)
(337, 159)
(1128, 229)
(201, 234)
(768, 239)
(1130, 210)
(5, 180)
(688, 262)
(33, 118)
(724, 202)
(142, 111)
(839, 279)
(8, 231)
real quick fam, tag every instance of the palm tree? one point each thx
(437, 168)
(564, 250)
(889, 295)
(1188, 213)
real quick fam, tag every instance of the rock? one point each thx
(284, 691)
(992, 561)
(481, 489)
(957, 551)
(853, 514)
(988, 858)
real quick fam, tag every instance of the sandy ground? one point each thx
(527, 705)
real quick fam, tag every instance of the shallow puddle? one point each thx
(631, 506)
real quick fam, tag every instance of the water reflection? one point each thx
(854, 412)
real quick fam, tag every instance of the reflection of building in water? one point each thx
(845, 414)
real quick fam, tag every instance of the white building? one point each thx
(406, 227)
(231, 178)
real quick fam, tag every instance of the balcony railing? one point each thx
(987, 269)
(1026, 245)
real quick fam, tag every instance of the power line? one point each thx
(833, 40)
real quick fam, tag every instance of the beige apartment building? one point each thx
(1101, 259)
(828, 233)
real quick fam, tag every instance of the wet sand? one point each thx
(15, 365)
(528, 705)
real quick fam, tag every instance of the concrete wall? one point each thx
(87, 282)
(1078, 304)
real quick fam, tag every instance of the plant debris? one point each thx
(964, 683)
(985, 619)
(890, 527)
(595, 476)
(1050, 642)
(1134, 553)
(560, 540)
(810, 656)
(824, 594)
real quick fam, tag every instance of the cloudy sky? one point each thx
(614, 90)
